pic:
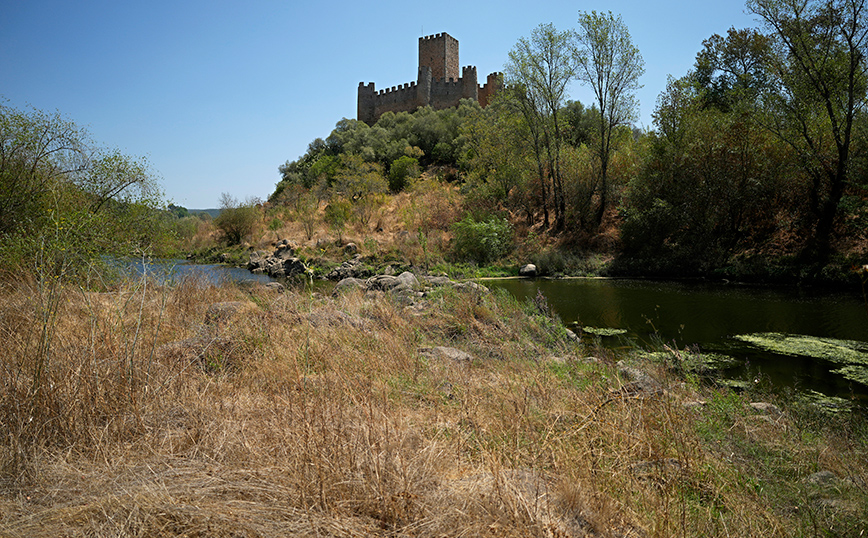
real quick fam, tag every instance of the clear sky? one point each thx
(218, 94)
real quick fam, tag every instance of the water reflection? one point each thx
(707, 316)
(175, 270)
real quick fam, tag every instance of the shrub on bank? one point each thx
(482, 241)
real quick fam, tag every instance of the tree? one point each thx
(818, 65)
(610, 63)
(539, 70)
(732, 69)
(236, 219)
(362, 184)
(402, 170)
(65, 201)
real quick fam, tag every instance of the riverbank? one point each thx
(197, 409)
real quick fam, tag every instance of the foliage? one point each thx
(538, 73)
(482, 241)
(65, 201)
(402, 171)
(818, 67)
(611, 65)
(337, 214)
(237, 219)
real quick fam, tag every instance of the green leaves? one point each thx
(482, 241)
(61, 193)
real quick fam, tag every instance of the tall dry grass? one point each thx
(195, 410)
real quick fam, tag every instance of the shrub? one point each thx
(236, 220)
(401, 171)
(482, 241)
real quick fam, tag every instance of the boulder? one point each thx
(528, 271)
(639, 381)
(443, 353)
(348, 284)
(351, 248)
(275, 286)
(766, 408)
(353, 268)
(282, 268)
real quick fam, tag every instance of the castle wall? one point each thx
(438, 83)
(487, 91)
(397, 99)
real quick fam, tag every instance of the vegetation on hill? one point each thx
(755, 165)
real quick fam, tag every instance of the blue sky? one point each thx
(218, 94)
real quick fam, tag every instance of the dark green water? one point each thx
(708, 316)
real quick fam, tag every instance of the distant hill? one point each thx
(212, 212)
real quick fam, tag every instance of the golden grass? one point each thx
(148, 411)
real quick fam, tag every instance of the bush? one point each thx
(401, 171)
(482, 241)
(236, 220)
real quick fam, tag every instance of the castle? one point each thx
(438, 84)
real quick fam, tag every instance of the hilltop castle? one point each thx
(438, 84)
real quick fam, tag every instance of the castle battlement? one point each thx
(438, 84)
(435, 36)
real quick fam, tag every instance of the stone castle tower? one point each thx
(438, 84)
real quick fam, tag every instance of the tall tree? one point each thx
(539, 70)
(732, 70)
(819, 65)
(610, 63)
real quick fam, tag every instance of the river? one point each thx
(708, 316)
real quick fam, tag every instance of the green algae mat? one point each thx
(850, 355)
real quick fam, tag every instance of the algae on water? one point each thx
(852, 355)
(604, 331)
(694, 361)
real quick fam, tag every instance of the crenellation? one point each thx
(438, 83)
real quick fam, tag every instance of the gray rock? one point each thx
(353, 268)
(767, 408)
(351, 248)
(528, 270)
(348, 284)
(823, 479)
(639, 381)
(275, 286)
(446, 354)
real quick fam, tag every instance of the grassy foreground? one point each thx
(193, 410)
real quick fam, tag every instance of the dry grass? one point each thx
(212, 411)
